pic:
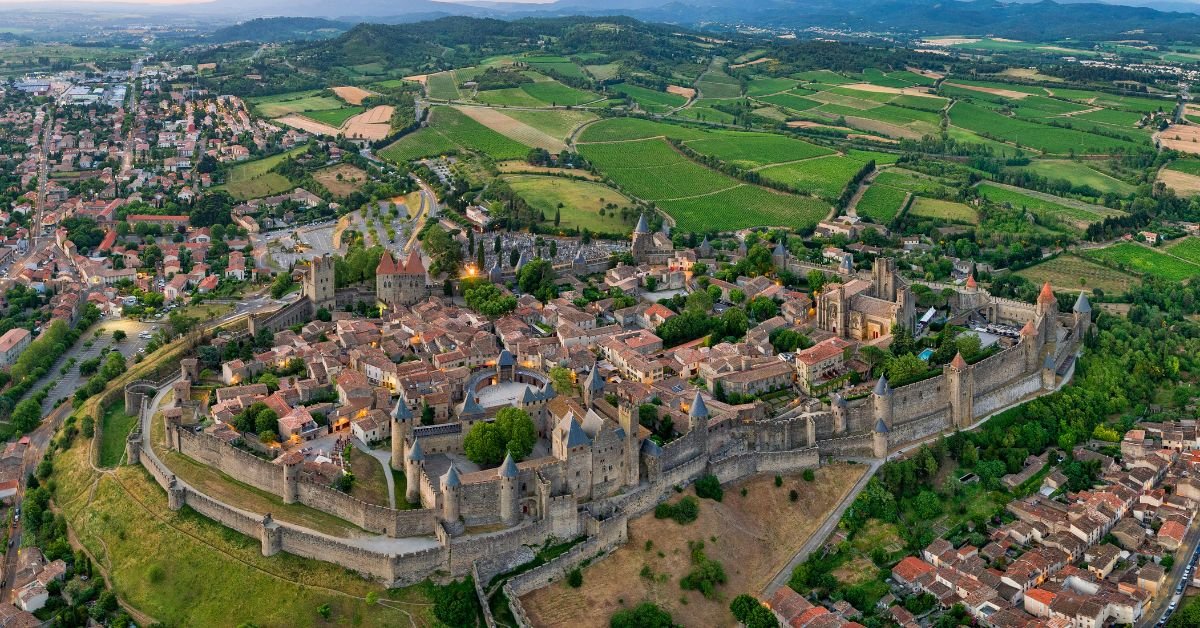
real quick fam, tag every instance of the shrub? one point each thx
(709, 487)
(575, 578)
(456, 604)
(809, 475)
(778, 480)
(793, 495)
(644, 615)
(324, 611)
(683, 512)
(88, 427)
(706, 575)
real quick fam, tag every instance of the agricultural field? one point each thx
(827, 77)
(561, 65)
(448, 130)
(650, 100)
(556, 94)
(1143, 260)
(1186, 166)
(442, 86)
(703, 111)
(1079, 173)
(1049, 139)
(1186, 248)
(1068, 272)
(622, 129)
(1071, 213)
(582, 202)
(294, 102)
(910, 181)
(558, 123)
(753, 150)
(254, 179)
(334, 117)
(825, 177)
(881, 203)
(765, 86)
(790, 100)
(718, 84)
(514, 129)
(508, 97)
(745, 206)
(943, 210)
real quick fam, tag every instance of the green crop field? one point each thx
(827, 77)
(1078, 173)
(714, 84)
(745, 206)
(508, 97)
(789, 100)
(943, 210)
(294, 102)
(825, 176)
(1144, 260)
(450, 129)
(334, 117)
(621, 129)
(554, 122)
(881, 203)
(1186, 166)
(582, 202)
(1187, 248)
(605, 72)
(650, 100)
(911, 181)
(1038, 136)
(704, 113)
(926, 103)
(765, 86)
(1067, 272)
(557, 94)
(751, 150)
(698, 198)
(443, 86)
(254, 179)
(1063, 210)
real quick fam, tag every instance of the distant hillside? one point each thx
(458, 41)
(279, 29)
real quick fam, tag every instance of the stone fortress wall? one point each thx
(549, 509)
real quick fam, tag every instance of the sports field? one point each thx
(582, 202)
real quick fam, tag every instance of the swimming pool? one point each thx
(926, 354)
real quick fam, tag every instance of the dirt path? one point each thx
(852, 206)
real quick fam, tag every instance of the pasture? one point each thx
(582, 202)
(1143, 260)
(1068, 272)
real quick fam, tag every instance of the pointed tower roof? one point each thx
(848, 263)
(1049, 363)
(387, 265)
(1029, 329)
(413, 265)
(971, 282)
(401, 411)
(881, 427)
(506, 358)
(643, 225)
(698, 409)
(779, 250)
(958, 363)
(1082, 305)
(451, 479)
(522, 261)
(414, 453)
(470, 404)
(548, 392)
(575, 435)
(579, 258)
(594, 382)
(837, 400)
(881, 387)
(1047, 293)
(528, 397)
(508, 469)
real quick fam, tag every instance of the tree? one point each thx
(512, 432)
(119, 335)
(537, 278)
(575, 578)
(489, 300)
(267, 420)
(751, 613)
(762, 308)
(212, 209)
(644, 615)
(560, 376)
(709, 487)
(905, 368)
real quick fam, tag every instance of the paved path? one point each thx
(385, 458)
(817, 539)
(372, 542)
(1183, 557)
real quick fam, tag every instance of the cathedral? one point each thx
(862, 310)
(650, 248)
(400, 283)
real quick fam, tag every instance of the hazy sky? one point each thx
(52, 2)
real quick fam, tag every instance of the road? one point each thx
(127, 157)
(1182, 558)
(43, 177)
(817, 539)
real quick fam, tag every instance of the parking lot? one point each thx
(90, 346)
